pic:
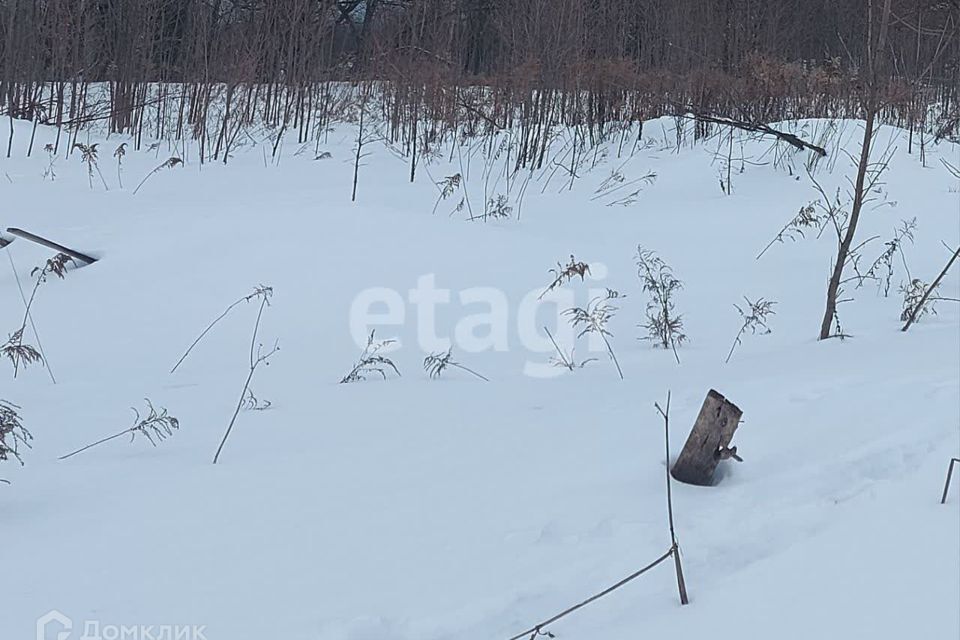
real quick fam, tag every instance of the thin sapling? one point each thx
(664, 326)
(88, 155)
(753, 320)
(50, 171)
(260, 292)
(882, 269)
(258, 356)
(594, 318)
(14, 349)
(119, 153)
(155, 427)
(447, 187)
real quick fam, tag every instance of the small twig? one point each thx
(468, 370)
(435, 363)
(566, 273)
(636, 574)
(594, 318)
(98, 442)
(563, 358)
(805, 219)
(253, 403)
(565, 361)
(15, 349)
(257, 357)
(753, 319)
(946, 486)
(33, 326)
(13, 435)
(261, 291)
(119, 153)
(674, 546)
(936, 283)
(155, 425)
(954, 171)
(169, 164)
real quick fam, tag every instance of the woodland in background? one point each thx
(206, 68)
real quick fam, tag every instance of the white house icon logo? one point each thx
(54, 621)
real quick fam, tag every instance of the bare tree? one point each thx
(878, 21)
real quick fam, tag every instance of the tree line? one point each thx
(596, 60)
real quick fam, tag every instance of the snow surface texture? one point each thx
(419, 509)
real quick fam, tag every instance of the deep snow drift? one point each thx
(421, 509)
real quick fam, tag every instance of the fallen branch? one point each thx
(674, 546)
(26, 235)
(754, 127)
(156, 427)
(537, 630)
(674, 550)
(915, 313)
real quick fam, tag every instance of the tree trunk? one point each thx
(709, 441)
(843, 251)
(875, 53)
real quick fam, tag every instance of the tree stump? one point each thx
(709, 441)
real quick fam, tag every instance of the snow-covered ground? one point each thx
(419, 509)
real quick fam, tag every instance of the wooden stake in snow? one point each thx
(709, 441)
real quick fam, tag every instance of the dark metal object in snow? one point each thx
(946, 486)
(76, 255)
(709, 441)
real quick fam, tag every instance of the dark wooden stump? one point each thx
(709, 441)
